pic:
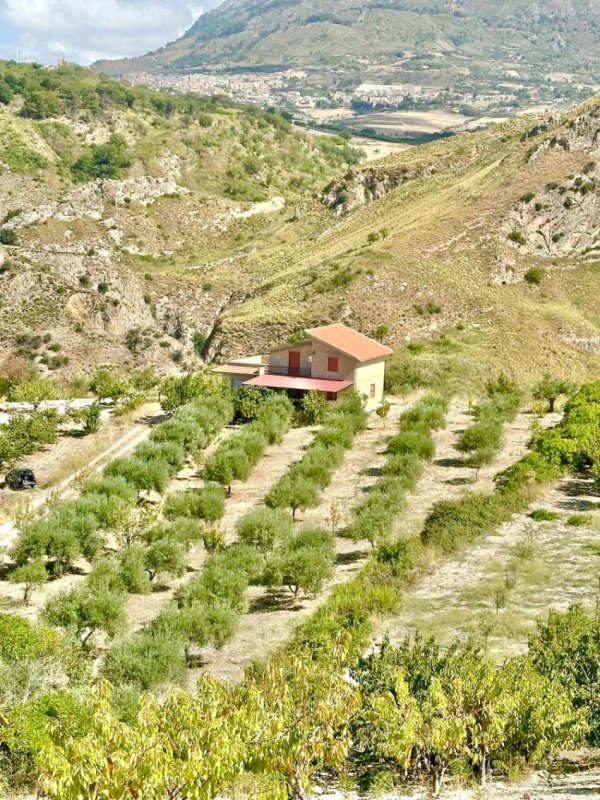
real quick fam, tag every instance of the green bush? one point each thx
(145, 661)
(206, 504)
(535, 275)
(184, 530)
(83, 611)
(264, 528)
(303, 563)
(543, 515)
(165, 557)
(109, 160)
(8, 236)
(144, 475)
(294, 492)
(416, 442)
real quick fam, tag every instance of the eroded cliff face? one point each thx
(561, 218)
(360, 187)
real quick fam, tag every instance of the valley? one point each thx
(373, 577)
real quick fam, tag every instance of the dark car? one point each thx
(20, 479)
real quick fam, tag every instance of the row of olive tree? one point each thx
(375, 516)
(111, 505)
(483, 439)
(572, 445)
(236, 457)
(206, 610)
(300, 488)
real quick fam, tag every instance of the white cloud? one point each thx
(86, 30)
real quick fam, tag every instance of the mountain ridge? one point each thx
(252, 32)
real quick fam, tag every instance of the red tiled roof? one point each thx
(350, 342)
(302, 384)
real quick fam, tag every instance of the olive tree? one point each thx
(293, 492)
(550, 389)
(32, 576)
(264, 527)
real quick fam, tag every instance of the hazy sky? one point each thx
(86, 30)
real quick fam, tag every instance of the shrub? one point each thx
(133, 562)
(145, 661)
(405, 468)
(550, 389)
(207, 504)
(264, 528)
(452, 522)
(84, 611)
(579, 520)
(223, 581)
(374, 520)
(416, 442)
(535, 275)
(226, 465)
(293, 492)
(304, 563)
(144, 475)
(543, 515)
(247, 402)
(517, 237)
(166, 557)
(8, 237)
(313, 409)
(567, 648)
(32, 575)
(182, 529)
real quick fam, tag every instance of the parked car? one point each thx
(20, 479)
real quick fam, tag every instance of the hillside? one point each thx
(480, 253)
(146, 228)
(114, 204)
(469, 45)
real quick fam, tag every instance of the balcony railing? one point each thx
(289, 372)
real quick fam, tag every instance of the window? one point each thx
(372, 391)
(332, 364)
(331, 396)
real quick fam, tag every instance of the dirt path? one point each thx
(497, 589)
(272, 616)
(447, 478)
(129, 438)
(116, 440)
(276, 461)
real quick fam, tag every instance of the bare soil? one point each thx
(274, 616)
(244, 496)
(496, 590)
(118, 438)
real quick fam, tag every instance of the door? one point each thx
(294, 363)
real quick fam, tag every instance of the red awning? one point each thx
(302, 384)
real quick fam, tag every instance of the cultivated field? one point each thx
(409, 123)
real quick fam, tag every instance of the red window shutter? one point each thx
(331, 396)
(332, 364)
(372, 392)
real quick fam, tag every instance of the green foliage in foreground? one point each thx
(418, 710)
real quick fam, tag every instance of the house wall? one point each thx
(367, 374)
(280, 358)
(346, 365)
(235, 379)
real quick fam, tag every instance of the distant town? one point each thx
(316, 98)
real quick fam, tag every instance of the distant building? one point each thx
(331, 360)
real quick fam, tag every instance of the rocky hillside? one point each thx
(116, 202)
(526, 39)
(480, 253)
(140, 228)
